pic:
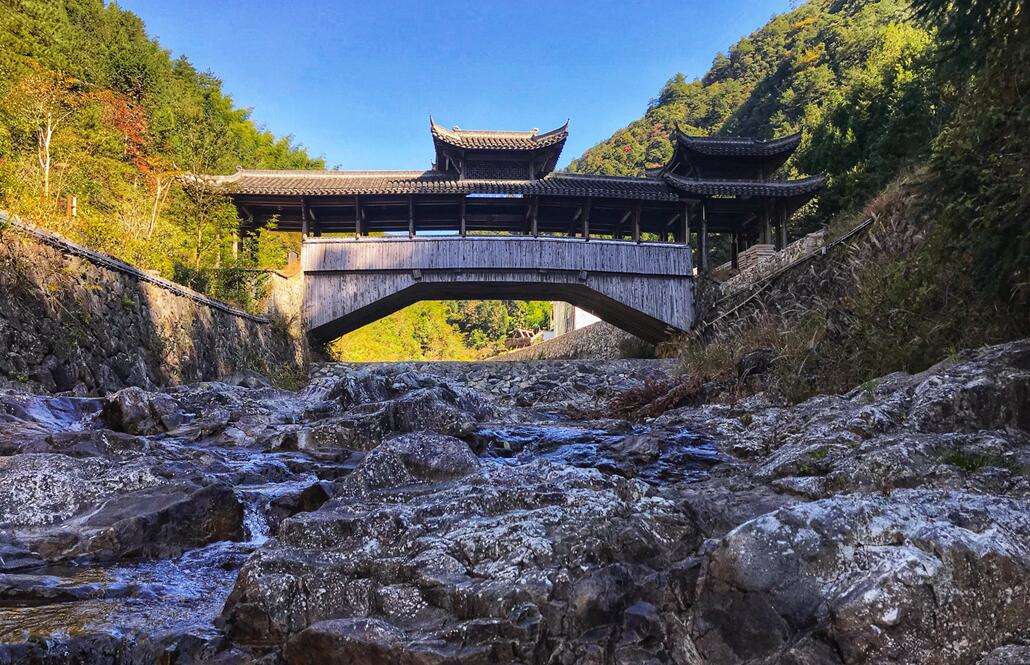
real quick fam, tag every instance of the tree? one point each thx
(41, 102)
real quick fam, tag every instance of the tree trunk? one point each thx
(44, 136)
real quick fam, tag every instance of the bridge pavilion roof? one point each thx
(487, 153)
(500, 181)
(373, 183)
(726, 157)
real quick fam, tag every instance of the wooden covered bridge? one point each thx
(492, 219)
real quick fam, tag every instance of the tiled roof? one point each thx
(482, 139)
(722, 146)
(772, 188)
(370, 183)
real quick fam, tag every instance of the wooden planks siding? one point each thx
(491, 253)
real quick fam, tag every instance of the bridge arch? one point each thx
(644, 288)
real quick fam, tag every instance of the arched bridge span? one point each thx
(644, 288)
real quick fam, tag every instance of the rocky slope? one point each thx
(451, 513)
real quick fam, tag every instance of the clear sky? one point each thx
(355, 81)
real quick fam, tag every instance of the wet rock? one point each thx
(439, 409)
(483, 565)
(16, 557)
(289, 504)
(135, 411)
(419, 457)
(1011, 654)
(157, 522)
(247, 379)
(920, 576)
(43, 489)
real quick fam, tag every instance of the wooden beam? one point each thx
(305, 229)
(622, 222)
(783, 226)
(767, 224)
(636, 222)
(411, 216)
(586, 218)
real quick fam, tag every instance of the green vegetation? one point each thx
(442, 330)
(920, 115)
(973, 462)
(98, 123)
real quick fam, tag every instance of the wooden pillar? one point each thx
(636, 222)
(533, 209)
(304, 218)
(357, 217)
(461, 217)
(686, 223)
(411, 216)
(734, 250)
(586, 218)
(783, 225)
(704, 237)
(767, 236)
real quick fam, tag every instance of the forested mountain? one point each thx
(96, 123)
(856, 78)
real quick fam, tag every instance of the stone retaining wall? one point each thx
(600, 340)
(75, 320)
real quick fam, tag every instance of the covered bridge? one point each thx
(492, 219)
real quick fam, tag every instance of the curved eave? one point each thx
(489, 140)
(773, 152)
(386, 183)
(790, 189)
(719, 146)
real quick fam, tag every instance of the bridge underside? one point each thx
(646, 290)
(359, 312)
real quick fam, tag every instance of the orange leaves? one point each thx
(130, 120)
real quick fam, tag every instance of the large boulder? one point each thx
(136, 411)
(38, 490)
(919, 576)
(419, 457)
(157, 522)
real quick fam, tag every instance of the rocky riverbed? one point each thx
(457, 513)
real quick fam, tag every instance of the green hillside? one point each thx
(97, 119)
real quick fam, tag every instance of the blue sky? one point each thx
(356, 81)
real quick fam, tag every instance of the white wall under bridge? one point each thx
(644, 288)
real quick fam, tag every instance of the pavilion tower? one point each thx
(729, 183)
(496, 155)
